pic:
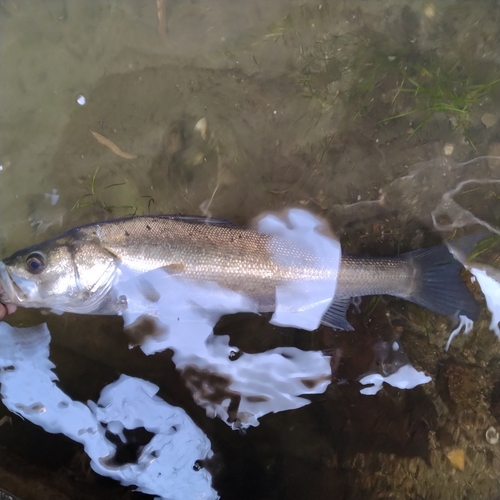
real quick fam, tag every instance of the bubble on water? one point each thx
(492, 435)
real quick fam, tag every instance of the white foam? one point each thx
(407, 377)
(185, 313)
(303, 303)
(267, 382)
(52, 197)
(465, 323)
(165, 466)
(487, 278)
(29, 388)
(491, 290)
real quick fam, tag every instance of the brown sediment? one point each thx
(175, 268)
(143, 328)
(312, 383)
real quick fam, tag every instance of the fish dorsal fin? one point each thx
(335, 316)
(198, 219)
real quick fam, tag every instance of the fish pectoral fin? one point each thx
(335, 316)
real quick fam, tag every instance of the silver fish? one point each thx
(75, 271)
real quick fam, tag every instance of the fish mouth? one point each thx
(10, 291)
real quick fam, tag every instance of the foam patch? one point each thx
(303, 303)
(165, 467)
(465, 324)
(491, 290)
(182, 318)
(407, 377)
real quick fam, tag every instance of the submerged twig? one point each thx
(161, 7)
(112, 146)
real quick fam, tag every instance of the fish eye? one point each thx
(35, 263)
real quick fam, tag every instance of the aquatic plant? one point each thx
(389, 81)
(386, 75)
(295, 24)
(440, 89)
(94, 197)
(280, 29)
(487, 248)
(418, 84)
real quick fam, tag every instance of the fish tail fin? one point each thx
(441, 288)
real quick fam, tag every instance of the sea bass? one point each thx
(75, 272)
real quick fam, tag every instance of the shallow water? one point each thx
(231, 109)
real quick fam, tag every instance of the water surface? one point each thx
(363, 113)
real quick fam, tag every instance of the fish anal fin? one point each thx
(335, 316)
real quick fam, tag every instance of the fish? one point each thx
(75, 271)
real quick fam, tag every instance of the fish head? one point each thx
(67, 274)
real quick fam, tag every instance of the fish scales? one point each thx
(360, 276)
(235, 258)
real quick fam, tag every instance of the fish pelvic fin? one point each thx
(440, 288)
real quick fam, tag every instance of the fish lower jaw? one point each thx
(21, 297)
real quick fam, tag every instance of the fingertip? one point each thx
(11, 308)
(6, 309)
